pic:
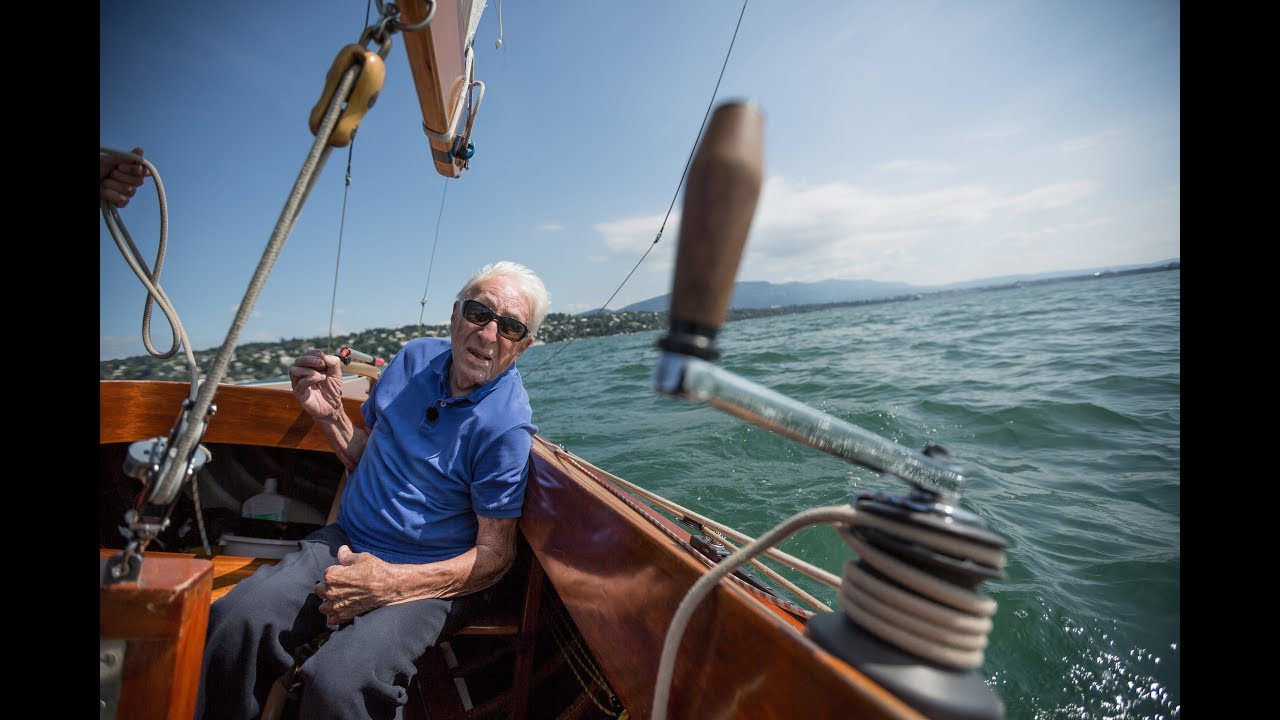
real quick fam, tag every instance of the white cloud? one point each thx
(998, 133)
(1054, 196)
(1032, 236)
(1078, 144)
(623, 237)
(806, 233)
(916, 166)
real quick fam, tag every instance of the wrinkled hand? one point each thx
(360, 582)
(120, 177)
(317, 382)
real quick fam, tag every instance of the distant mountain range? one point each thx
(269, 360)
(756, 294)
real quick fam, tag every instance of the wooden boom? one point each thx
(438, 60)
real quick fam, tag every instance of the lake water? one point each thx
(1061, 402)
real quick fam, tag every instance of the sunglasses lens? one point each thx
(511, 329)
(477, 313)
(481, 314)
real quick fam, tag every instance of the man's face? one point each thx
(480, 354)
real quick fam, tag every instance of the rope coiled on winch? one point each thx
(918, 612)
(911, 609)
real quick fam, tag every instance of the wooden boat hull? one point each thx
(621, 574)
(615, 565)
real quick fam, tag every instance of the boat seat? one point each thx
(503, 618)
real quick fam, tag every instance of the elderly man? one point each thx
(427, 520)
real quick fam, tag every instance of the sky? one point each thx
(905, 141)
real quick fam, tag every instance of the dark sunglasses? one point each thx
(481, 314)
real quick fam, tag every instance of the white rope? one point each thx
(316, 157)
(769, 572)
(498, 44)
(150, 279)
(950, 544)
(918, 580)
(704, 585)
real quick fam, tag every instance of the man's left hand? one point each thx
(360, 582)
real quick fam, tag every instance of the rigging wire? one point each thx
(342, 224)
(498, 43)
(675, 196)
(464, 92)
(431, 263)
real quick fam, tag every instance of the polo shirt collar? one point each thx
(441, 363)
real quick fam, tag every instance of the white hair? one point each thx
(524, 280)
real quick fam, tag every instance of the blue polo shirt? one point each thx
(424, 477)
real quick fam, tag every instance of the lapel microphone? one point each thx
(432, 414)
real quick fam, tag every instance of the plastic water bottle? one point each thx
(267, 505)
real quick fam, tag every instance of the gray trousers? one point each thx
(362, 671)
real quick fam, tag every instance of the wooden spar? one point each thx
(247, 415)
(438, 60)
